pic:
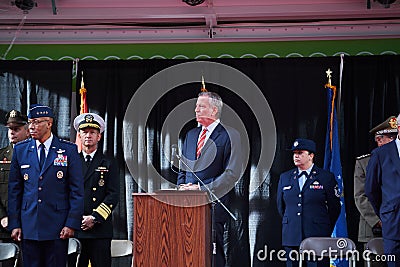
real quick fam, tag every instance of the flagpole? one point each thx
(339, 91)
(73, 110)
(332, 161)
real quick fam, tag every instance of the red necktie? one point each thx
(200, 143)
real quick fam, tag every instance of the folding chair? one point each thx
(9, 251)
(374, 247)
(120, 248)
(74, 247)
(328, 247)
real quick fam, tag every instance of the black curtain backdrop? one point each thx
(28, 82)
(294, 89)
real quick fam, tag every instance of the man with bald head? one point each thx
(45, 192)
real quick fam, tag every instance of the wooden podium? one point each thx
(171, 228)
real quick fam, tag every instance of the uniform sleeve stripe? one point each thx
(103, 210)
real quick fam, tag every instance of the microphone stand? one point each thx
(214, 201)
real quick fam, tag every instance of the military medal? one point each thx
(102, 170)
(26, 176)
(60, 174)
(60, 160)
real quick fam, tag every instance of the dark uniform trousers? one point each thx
(90, 250)
(101, 186)
(53, 252)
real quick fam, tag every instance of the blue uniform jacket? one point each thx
(382, 187)
(311, 212)
(43, 202)
(219, 165)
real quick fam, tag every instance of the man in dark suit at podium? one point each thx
(213, 154)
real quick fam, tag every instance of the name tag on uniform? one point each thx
(316, 186)
(25, 166)
(61, 160)
(287, 187)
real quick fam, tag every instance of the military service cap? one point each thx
(389, 126)
(89, 120)
(39, 111)
(15, 117)
(304, 144)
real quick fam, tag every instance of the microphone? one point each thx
(174, 155)
(213, 197)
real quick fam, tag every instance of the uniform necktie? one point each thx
(88, 159)
(302, 179)
(200, 143)
(42, 155)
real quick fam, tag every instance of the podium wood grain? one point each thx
(171, 229)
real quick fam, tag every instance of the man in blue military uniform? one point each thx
(382, 187)
(45, 192)
(307, 200)
(101, 184)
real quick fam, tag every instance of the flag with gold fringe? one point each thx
(332, 162)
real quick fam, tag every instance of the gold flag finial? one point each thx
(203, 85)
(83, 89)
(329, 75)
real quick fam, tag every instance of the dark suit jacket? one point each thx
(383, 188)
(219, 165)
(101, 194)
(310, 212)
(42, 202)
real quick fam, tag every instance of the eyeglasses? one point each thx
(36, 122)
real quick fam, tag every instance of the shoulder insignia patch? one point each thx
(24, 141)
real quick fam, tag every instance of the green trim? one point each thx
(202, 50)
